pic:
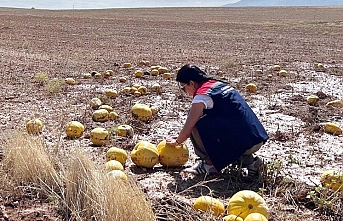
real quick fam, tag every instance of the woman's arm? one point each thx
(193, 116)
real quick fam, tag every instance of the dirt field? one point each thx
(230, 44)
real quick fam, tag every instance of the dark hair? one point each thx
(189, 73)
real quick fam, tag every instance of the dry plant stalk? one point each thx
(173, 208)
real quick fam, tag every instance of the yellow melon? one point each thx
(127, 65)
(335, 104)
(252, 88)
(172, 156)
(167, 75)
(106, 107)
(255, 217)
(98, 76)
(156, 87)
(332, 179)
(312, 99)
(115, 153)
(113, 165)
(143, 90)
(144, 154)
(127, 90)
(117, 174)
(113, 115)
(74, 129)
(70, 81)
(136, 85)
(125, 130)
(34, 126)
(142, 112)
(162, 70)
(100, 115)
(122, 79)
(209, 204)
(245, 202)
(154, 72)
(87, 75)
(95, 103)
(111, 93)
(154, 67)
(232, 217)
(138, 73)
(277, 67)
(283, 73)
(99, 136)
(332, 128)
(107, 74)
(259, 71)
(111, 72)
(320, 66)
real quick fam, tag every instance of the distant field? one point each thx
(201, 35)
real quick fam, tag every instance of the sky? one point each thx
(98, 4)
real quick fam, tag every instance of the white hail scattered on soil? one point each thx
(306, 157)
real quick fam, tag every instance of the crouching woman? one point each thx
(221, 125)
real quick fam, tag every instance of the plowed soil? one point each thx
(229, 44)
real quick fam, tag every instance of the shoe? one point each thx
(254, 169)
(202, 168)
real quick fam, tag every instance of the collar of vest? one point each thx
(203, 89)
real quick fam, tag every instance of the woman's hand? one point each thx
(172, 140)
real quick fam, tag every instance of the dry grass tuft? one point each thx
(90, 193)
(42, 78)
(27, 162)
(54, 86)
(77, 177)
(84, 191)
(120, 200)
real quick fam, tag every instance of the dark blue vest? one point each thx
(230, 127)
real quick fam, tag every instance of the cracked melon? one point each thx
(124, 130)
(100, 115)
(145, 154)
(74, 129)
(34, 126)
(232, 217)
(208, 203)
(332, 179)
(142, 112)
(115, 153)
(99, 136)
(172, 156)
(95, 103)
